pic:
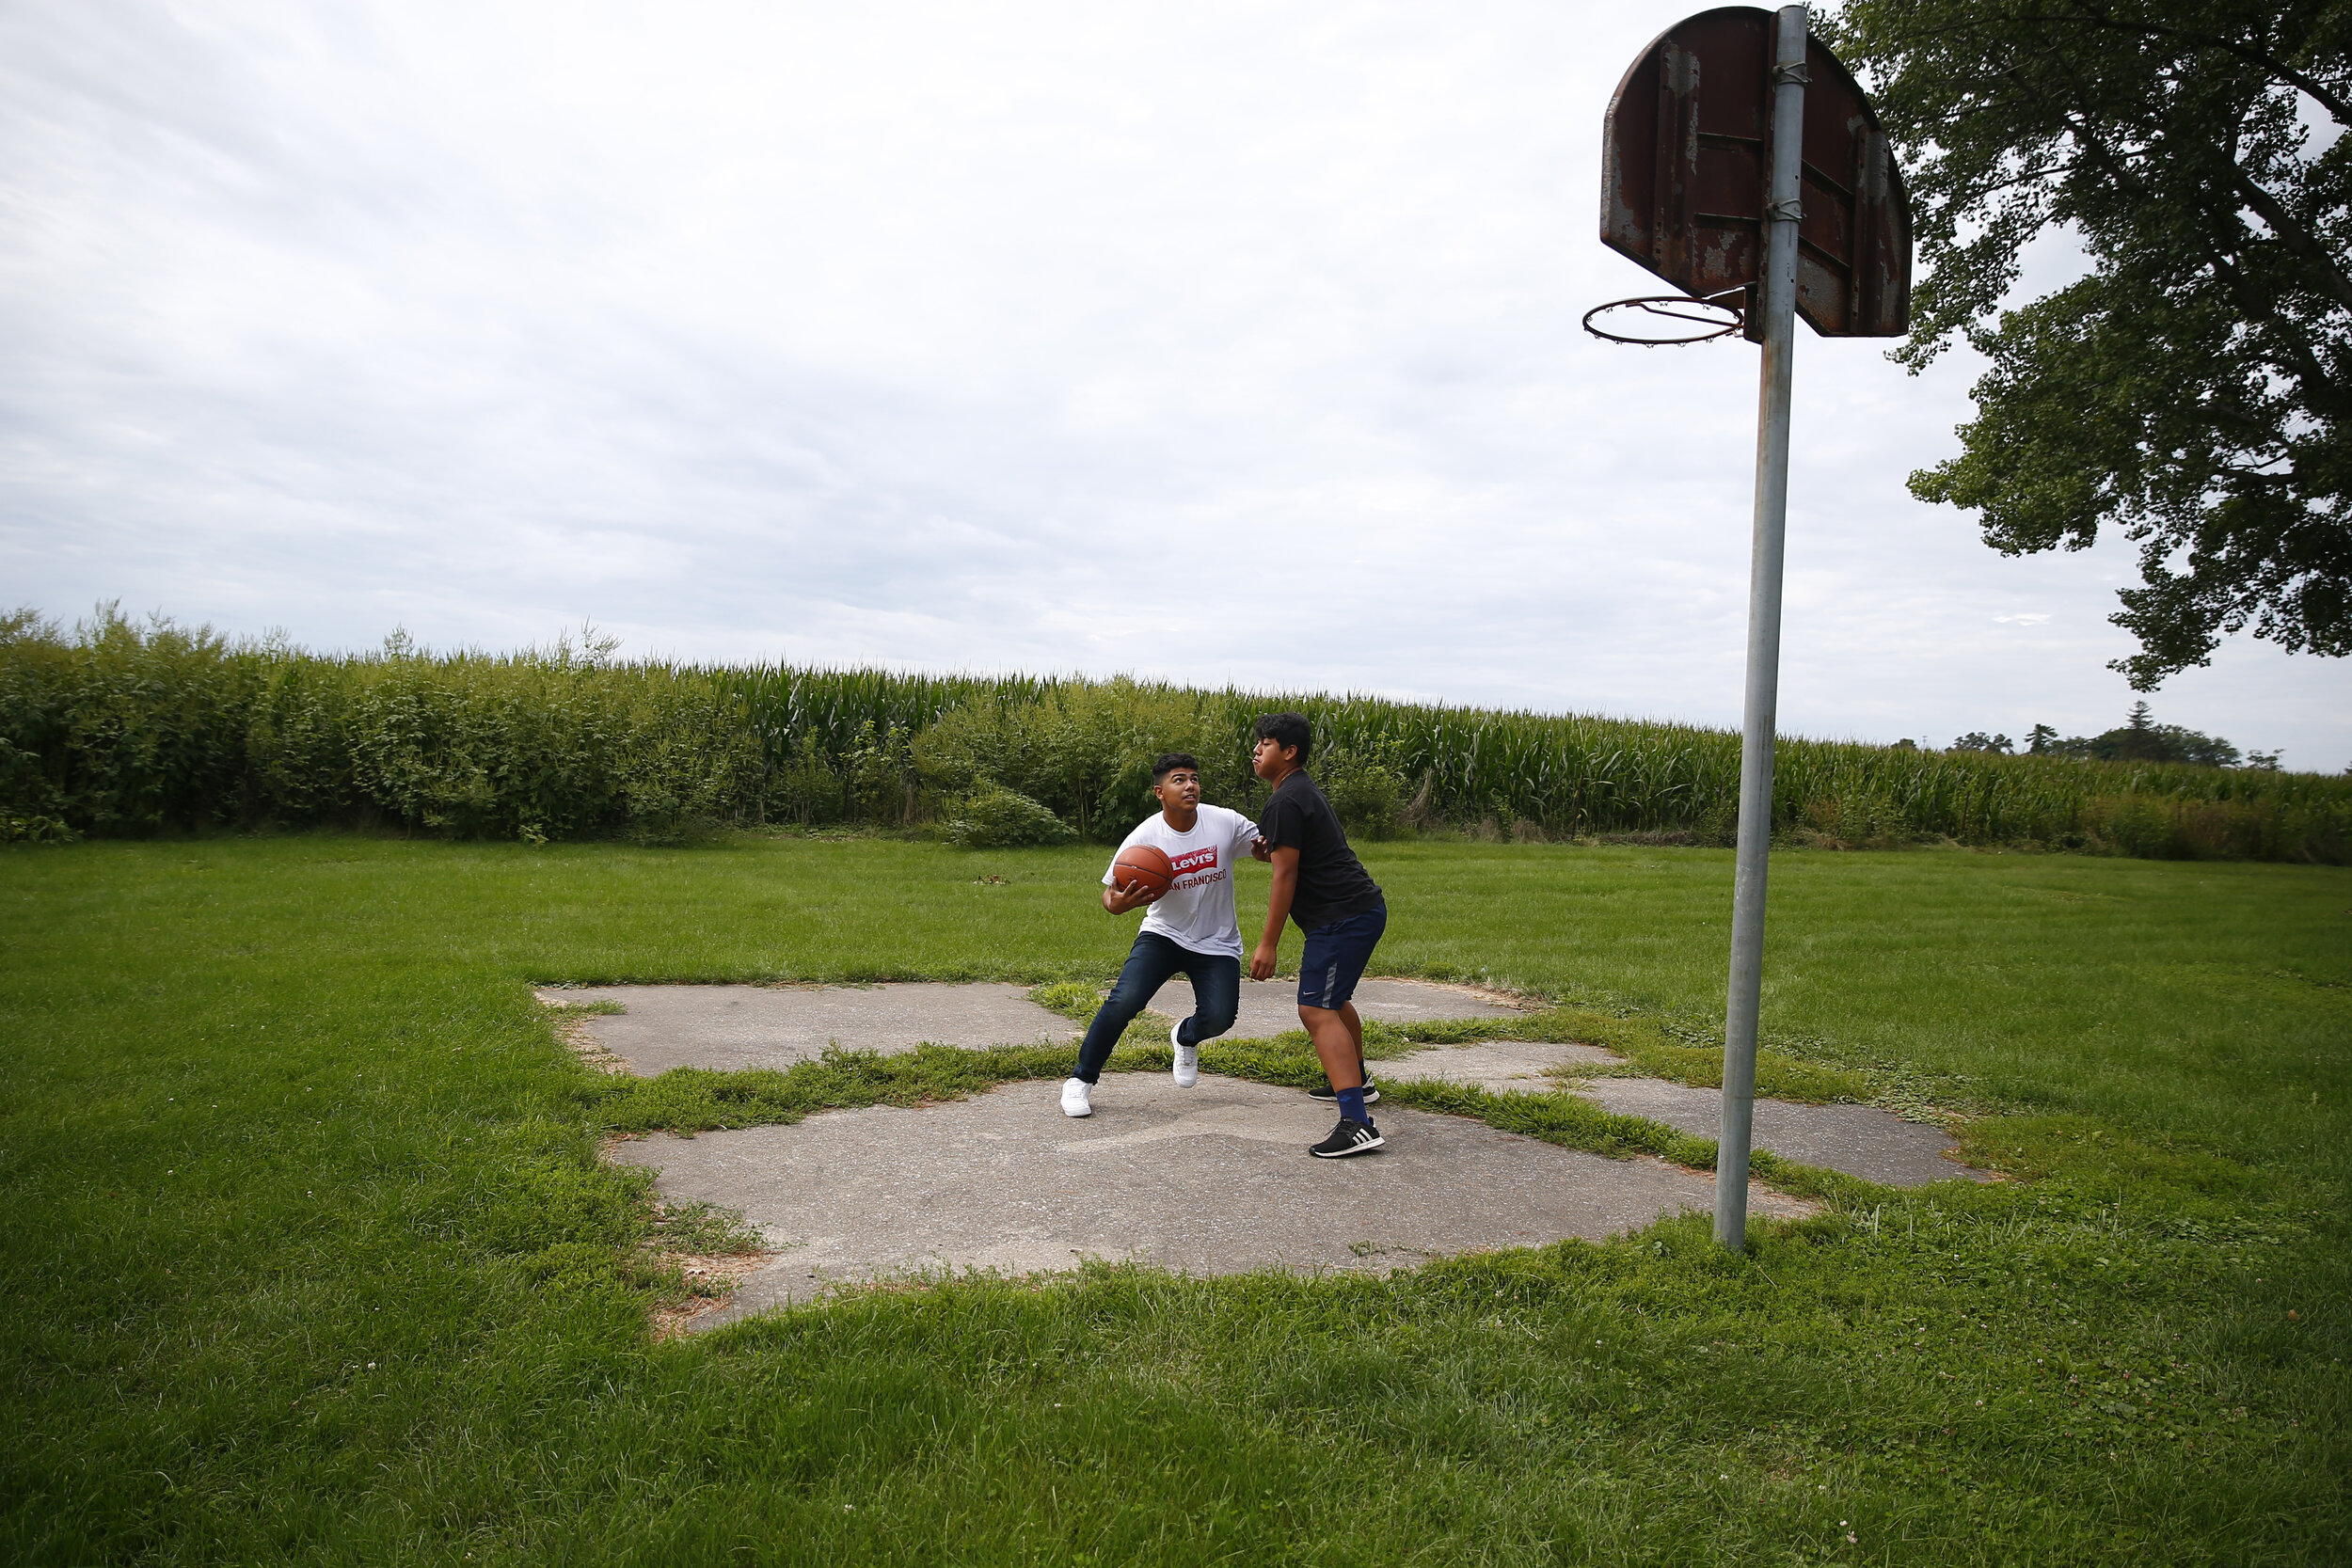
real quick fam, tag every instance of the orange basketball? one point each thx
(1144, 864)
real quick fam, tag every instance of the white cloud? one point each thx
(1223, 342)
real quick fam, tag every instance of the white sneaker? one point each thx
(1187, 1058)
(1074, 1097)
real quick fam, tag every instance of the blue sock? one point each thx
(1352, 1105)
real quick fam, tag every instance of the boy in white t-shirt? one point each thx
(1190, 928)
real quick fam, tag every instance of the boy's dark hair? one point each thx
(1287, 730)
(1170, 761)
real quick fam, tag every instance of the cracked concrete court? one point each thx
(1213, 1180)
(1859, 1140)
(731, 1027)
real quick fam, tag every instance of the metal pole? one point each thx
(1778, 303)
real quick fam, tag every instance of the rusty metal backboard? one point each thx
(1685, 149)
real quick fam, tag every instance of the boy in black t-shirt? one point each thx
(1319, 883)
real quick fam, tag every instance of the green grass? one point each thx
(308, 1258)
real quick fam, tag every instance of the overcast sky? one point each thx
(1220, 343)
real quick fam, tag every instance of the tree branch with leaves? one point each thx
(2193, 390)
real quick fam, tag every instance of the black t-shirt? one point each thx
(1332, 882)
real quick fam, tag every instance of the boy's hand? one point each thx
(1121, 898)
(1262, 962)
(1258, 852)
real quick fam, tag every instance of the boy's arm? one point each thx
(1278, 908)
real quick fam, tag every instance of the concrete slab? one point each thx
(731, 1027)
(1213, 1180)
(728, 1027)
(1498, 1067)
(1859, 1140)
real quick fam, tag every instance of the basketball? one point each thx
(1142, 864)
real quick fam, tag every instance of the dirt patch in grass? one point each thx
(701, 1252)
(571, 1027)
(706, 1282)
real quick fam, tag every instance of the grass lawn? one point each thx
(308, 1255)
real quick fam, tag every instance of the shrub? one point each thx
(806, 788)
(878, 780)
(1366, 792)
(993, 818)
(1084, 750)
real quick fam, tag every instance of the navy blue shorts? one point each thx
(1335, 957)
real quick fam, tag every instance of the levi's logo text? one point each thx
(1195, 860)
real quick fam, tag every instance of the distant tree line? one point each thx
(2138, 738)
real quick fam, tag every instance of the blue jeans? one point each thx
(1151, 963)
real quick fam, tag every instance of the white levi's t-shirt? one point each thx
(1197, 911)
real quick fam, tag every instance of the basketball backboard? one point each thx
(1685, 149)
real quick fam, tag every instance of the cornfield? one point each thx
(119, 728)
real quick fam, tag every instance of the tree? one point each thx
(2195, 391)
(2140, 738)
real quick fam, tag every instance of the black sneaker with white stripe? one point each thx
(1330, 1096)
(1348, 1137)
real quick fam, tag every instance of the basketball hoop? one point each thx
(1743, 164)
(1714, 318)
